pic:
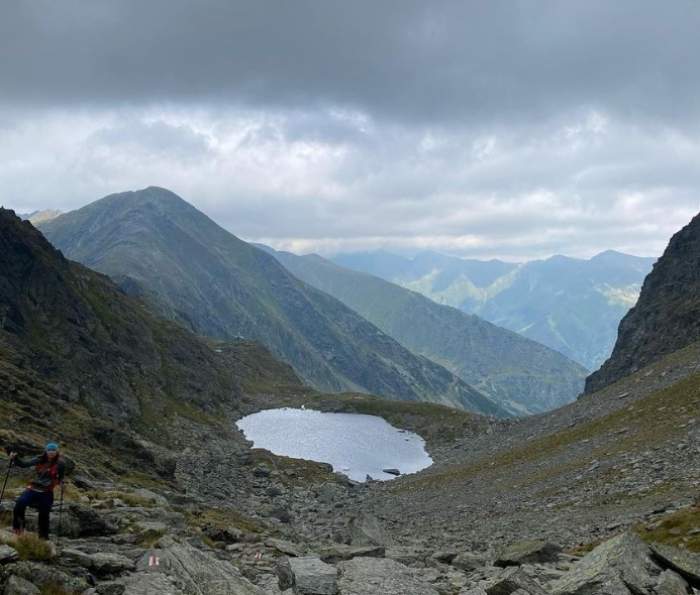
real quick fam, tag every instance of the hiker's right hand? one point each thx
(13, 455)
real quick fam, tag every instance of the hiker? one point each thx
(50, 470)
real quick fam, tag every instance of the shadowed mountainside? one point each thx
(154, 244)
(667, 315)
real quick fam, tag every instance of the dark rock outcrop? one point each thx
(667, 315)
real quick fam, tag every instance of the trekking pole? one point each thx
(4, 483)
(60, 516)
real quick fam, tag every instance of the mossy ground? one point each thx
(222, 518)
(30, 547)
(661, 416)
(681, 529)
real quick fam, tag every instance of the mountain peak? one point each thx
(195, 272)
(150, 194)
(19, 237)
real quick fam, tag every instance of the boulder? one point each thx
(110, 589)
(150, 496)
(444, 556)
(81, 521)
(226, 535)
(621, 565)
(515, 581)
(468, 561)
(307, 576)
(528, 552)
(16, 585)
(367, 529)
(46, 576)
(176, 568)
(671, 584)
(7, 554)
(683, 562)
(340, 553)
(285, 547)
(392, 471)
(149, 584)
(329, 493)
(405, 555)
(84, 483)
(100, 563)
(373, 576)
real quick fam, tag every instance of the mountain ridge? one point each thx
(189, 269)
(522, 375)
(568, 304)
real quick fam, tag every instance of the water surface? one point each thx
(354, 444)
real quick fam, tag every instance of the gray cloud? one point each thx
(503, 128)
(436, 62)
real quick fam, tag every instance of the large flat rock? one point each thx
(180, 569)
(373, 576)
(308, 575)
(620, 566)
(528, 552)
(685, 563)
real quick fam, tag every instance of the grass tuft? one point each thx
(30, 547)
(680, 529)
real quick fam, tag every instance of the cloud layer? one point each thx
(510, 129)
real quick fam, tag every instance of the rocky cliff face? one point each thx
(667, 315)
(98, 347)
(189, 269)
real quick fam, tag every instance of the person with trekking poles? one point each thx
(50, 470)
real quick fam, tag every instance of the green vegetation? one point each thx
(656, 418)
(126, 497)
(502, 364)
(681, 529)
(30, 547)
(148, 539)
(571, 305)
(55, 589)
(188, 269)
(222, 518)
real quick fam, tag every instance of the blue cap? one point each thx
(51, 446)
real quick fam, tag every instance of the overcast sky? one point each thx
(479, 128)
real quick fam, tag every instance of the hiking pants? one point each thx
(41, 501)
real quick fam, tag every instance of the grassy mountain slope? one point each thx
(621, 457)
(568, 304)
(188, 268)
(83, 362)
(521, 375)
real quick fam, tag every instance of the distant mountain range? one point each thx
(37, 217)
(667, 315)
(568, 304)
(186, 267)
(521, 375)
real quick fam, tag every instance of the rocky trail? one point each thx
(237, 520)
(165, 495)
(137, 542)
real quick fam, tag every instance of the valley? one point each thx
(563, 502)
